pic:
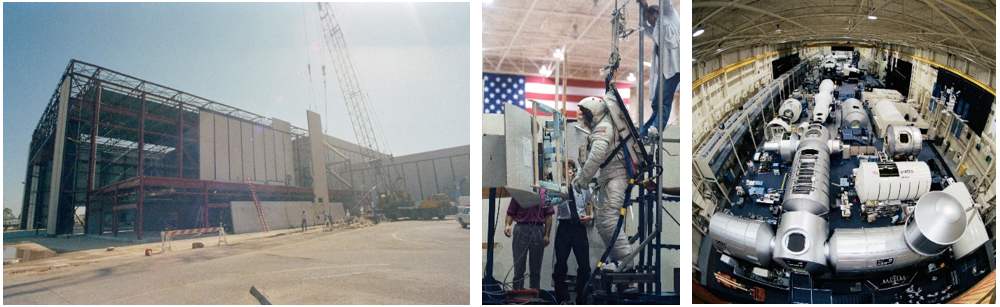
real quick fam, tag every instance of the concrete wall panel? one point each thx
(279, 215)
(206, 144)
(244, 217)
(221, 148)
(289, 164)
(272, 171)
(258, 152)
(235, 152)
(279, 156)
(246, 136)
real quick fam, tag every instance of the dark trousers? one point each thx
(662, 102)
(571, 237)
(528, 248)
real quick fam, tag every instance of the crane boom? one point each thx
(354, 95)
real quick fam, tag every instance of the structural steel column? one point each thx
(180, 140)
(114, 214)
(437, 184)
(94, 127)
(55, 187)
(142, 149)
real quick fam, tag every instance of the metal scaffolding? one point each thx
(127, 150)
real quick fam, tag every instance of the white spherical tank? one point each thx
(790, 109)
(893, 180)
(826, 86)
(903, 140)
(821, 108)
(854, 114)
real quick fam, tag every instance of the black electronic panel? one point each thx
(974, 102)
(841, 48)
(784, 64)
(897, 76)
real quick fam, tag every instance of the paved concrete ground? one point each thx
(406, 262)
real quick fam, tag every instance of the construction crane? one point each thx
(394, 202)
(354, 96)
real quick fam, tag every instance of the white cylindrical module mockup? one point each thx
(893, 180)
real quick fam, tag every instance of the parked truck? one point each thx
(397, 204)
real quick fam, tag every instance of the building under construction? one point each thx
(142, 157)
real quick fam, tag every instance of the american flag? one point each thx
(503, 88)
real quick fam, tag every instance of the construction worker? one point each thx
(303, 221)
(613, 179)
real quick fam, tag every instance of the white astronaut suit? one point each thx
(613, 178)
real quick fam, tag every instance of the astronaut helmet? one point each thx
(592, 110)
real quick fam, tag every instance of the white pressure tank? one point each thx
(893, 180)
(826, 86)
(821, 108)
(791, 109)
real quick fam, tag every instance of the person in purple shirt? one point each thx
(530, 236)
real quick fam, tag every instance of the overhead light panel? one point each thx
(647, 64)
(545, 71)
(698, 31)
(872, 17)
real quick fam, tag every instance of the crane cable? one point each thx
(305, 33)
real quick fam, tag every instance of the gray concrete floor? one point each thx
(406, 262)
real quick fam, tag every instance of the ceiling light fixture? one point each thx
(647, 64)
(777, 28)
(545, 71)
(631, 77)
(698, 31)
(558, 54)
(872, 17)
(575, 33)
(596, 9)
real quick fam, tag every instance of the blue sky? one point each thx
(412, 58)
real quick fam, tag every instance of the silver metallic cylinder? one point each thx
(859, 250)
(742, 238)
(854, 114)
(800, 243)
(903, 140)
(809, 180)
(938, 221)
